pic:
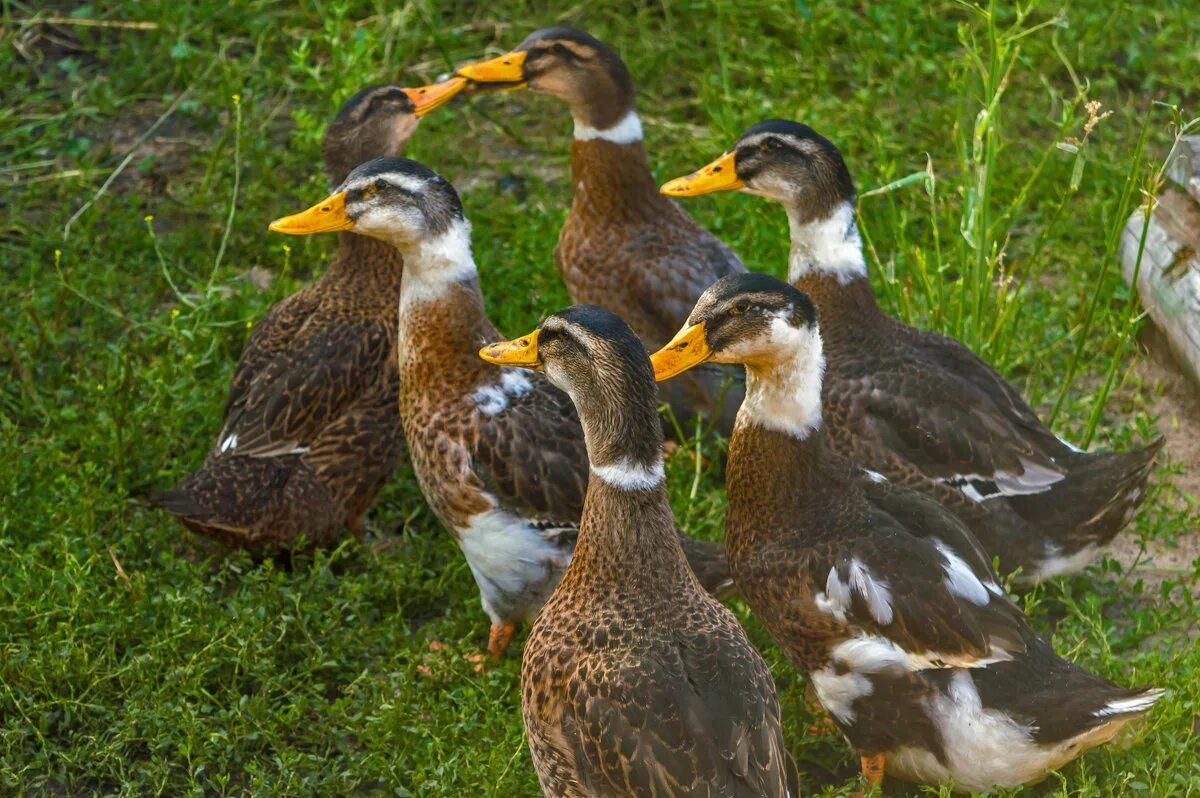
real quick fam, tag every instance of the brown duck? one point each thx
(500, 455)
(918, 407)
(876, 591)
(623, 246)
(311, 432)
(634, 681)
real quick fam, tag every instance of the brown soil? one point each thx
(1176, 403)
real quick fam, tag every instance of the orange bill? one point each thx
(521, 352)
(507, 68)
(327, 216)
(720, 175)
(688, 348)
(435, 95)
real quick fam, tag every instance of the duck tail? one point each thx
(1135, 703)
(1090, 506)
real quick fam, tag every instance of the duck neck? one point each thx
(442, 318)
(778, 431)
(627, 531)
(826, 244)
(611, 173)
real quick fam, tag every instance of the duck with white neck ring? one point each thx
(918, 407)
(623, 245)
(500, 456)
(634, 681)
(876, 591)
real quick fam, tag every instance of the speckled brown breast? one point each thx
(439, 370)
(630, 653)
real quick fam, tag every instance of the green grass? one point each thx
(189, 670)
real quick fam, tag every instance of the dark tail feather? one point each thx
(1096, 500)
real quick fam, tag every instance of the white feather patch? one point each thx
(492, 399)
(514, 564)
(1035, 478)
(874, 476)
(432, 265)
(874, 591)
(962, 581)
(1055, 563)
(788, 398)
(826, 246)
(631, 476)
(627, 131)
(1123, 706)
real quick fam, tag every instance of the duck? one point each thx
(877, 592)
(500, 456)
(310, 431)
(634, 680)
(919, 407)
(623, 245)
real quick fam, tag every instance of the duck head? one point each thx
(596, 359)
(781, 160)
(397, 200)
(377, 122)
(768, 326)
(574, 66)
(802, 170)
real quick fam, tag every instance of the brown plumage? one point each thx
(311, 429)
(878, 592)
(634, 681)
(499, 455)
(623, 245)
(919, 407)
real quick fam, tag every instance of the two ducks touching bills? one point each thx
(874, 471)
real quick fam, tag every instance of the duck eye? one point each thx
(770, 143)
(379, 185)
(558, 49)
(741, 307)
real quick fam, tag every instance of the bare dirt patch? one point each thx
(1177, 406)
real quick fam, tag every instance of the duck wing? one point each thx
(292, 396)
(936, 405)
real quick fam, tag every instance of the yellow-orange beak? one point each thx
(427, 98)
(507, 68)
(327, 216)
(521, 352)
(688, 348)
(720, 175)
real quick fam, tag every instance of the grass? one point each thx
(148, 144)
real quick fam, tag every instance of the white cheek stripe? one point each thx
(631, 476)
(627, 131)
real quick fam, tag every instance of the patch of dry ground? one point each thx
(1177, 406)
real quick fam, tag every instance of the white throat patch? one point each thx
(788, 400)
(433, 265)
(627, 131)
(827, 246)
(627, 475)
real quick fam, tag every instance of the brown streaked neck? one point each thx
(839, 303)
(440, 338)
(627, 541)
(613, 180)
(442, 319)
(770, 481)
